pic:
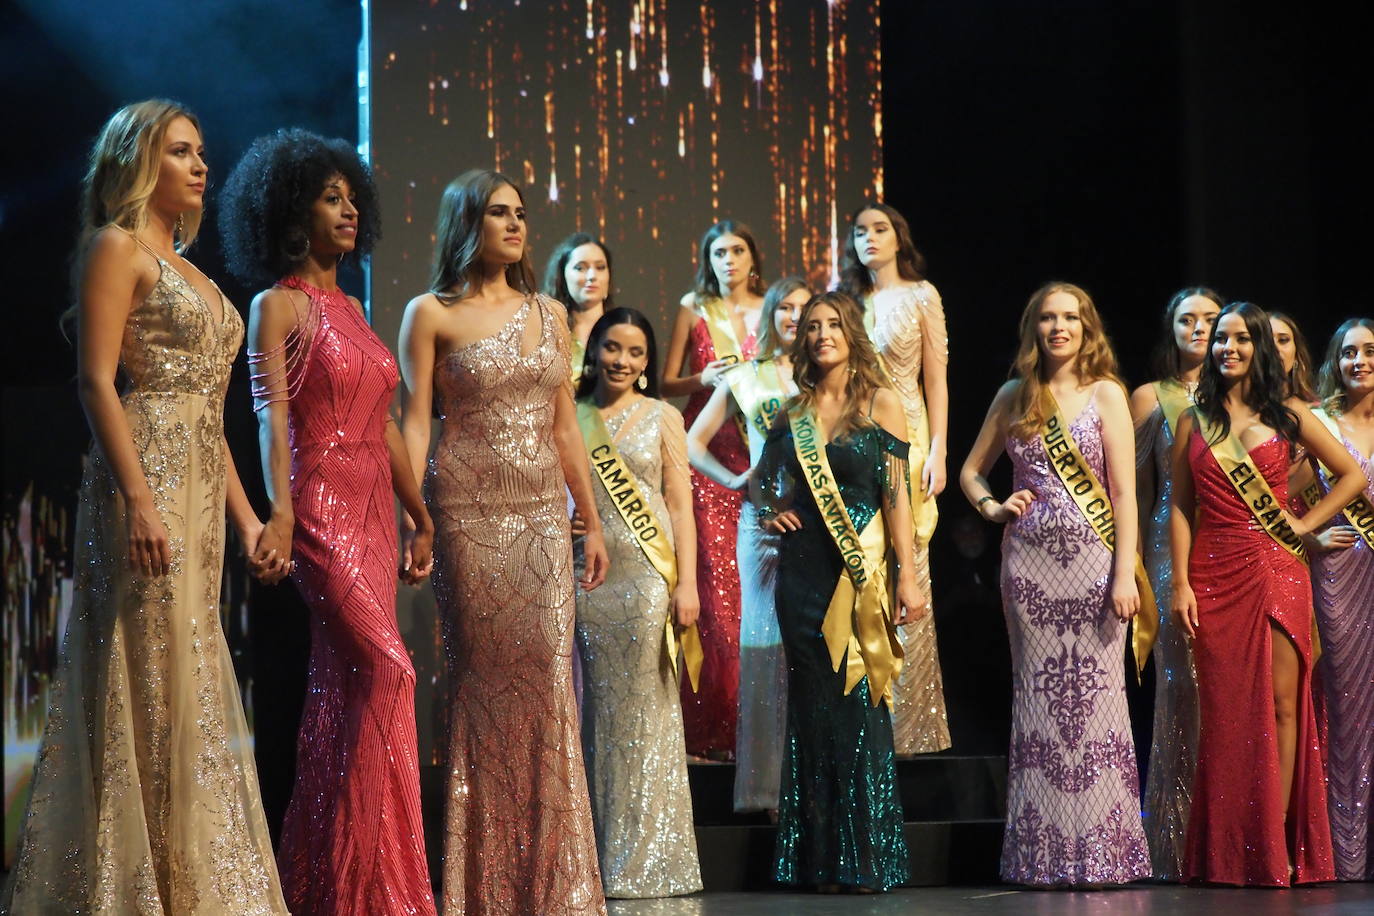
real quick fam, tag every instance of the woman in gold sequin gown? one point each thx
(631, 716)
(145, 800)
(492, 356)
(906, 320)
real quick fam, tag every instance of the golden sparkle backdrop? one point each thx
(641, 121)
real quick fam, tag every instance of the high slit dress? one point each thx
(1245, 582)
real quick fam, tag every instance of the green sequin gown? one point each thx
(840, 814)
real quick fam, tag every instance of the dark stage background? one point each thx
(1130, 147)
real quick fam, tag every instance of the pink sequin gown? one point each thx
(1238, 832)
(352, 841)
(517, 821)
(710, 714)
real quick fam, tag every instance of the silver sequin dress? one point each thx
(145, 799)
(632, 737)
(1173, 753)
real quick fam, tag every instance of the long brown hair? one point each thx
(1095, 360)
(458, 237)
(865, 376)
(555, 273)
(911, 264)
(1165, 360)
(1300, 379)
(768, 334)
(122, 173)
(1329, 384)
(707, 286)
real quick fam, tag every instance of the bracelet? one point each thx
(982, 499)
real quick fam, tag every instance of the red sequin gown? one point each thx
(1238, 832)
(352, 841)
(709, 716)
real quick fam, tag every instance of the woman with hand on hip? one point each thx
(1069, 592)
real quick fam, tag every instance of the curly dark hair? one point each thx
(264, 217)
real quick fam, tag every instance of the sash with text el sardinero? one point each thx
(649, 533)
(1250, 486)
(857, 622)
(1092, 500)
(1359, 514)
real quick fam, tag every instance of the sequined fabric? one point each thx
(710, 714)
(631, 717)
(518, 835)
(1173, 751)
(762, 664)
(353, 840)
(145, 800)
(1073, 814)
(839, 814)
(903, 319)
(762, 669)
(1343, 586)
(1238, 832)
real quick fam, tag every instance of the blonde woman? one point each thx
(1073, 810)
(145, 793)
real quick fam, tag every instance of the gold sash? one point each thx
(1252, 488)
(1173, 399)
(639, 518)
(577, 353)
(1092, 500)
(858, 621)
(1359, 514)
(758, 389)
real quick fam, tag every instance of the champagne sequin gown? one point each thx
(1343, 586)
(145, 800)
(631, 717)
(710, 714)
(518, 833)
(1073, 793)
(1245, 583)
(353, 840)
(1173, 749)
(840, 817)
(902, 320)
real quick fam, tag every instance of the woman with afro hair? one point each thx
(295, 207)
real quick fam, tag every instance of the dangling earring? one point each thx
(179, 229)
(642, 383)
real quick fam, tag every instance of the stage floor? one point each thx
(1327, 900)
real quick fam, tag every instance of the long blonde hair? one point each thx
(865, 374)
(1095, 360)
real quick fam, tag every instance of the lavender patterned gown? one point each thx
(1073, 815)
(1343, 589)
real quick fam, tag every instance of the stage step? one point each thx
(954, 807)
(934, 787)
(740, 858)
